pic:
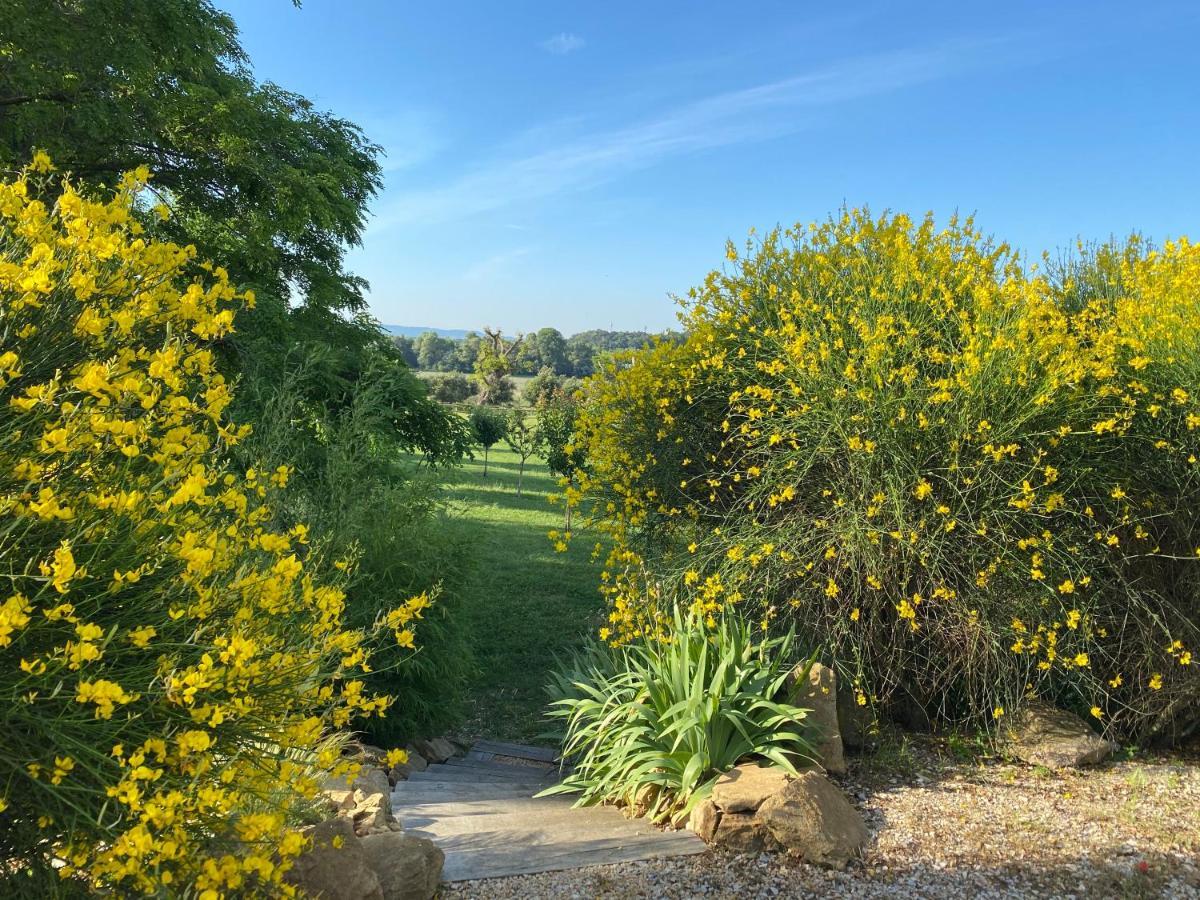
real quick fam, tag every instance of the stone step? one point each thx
(521, 851)
(458, 773)
(484, 816)
(519, 772)
(422, 791)
(486, 749)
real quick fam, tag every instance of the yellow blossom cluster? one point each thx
(171, 655)
(966, 477)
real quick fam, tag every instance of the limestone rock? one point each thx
(407, 867)
(816, 691)
(704, 819)
(744, 788)
(1051, 737)
(366, 754)
(813, 819)
(415, 763)
(742, 833)
(367, 803)
(374, 781)
(415, 759)
(335, 866)
(437, 750)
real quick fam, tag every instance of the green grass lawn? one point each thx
(524, 602)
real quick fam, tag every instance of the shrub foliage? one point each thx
(971, 479)
(171, 654)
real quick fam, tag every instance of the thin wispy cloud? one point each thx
(489, 267)
(733, 117)
(563, 43)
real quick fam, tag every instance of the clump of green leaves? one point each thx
(660, 720)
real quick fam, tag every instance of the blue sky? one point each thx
(574, 165)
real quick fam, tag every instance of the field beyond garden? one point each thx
(524, 603)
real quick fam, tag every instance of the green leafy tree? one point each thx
(551, 350)
(524, 438)
(542, 387)
(466, 351)
(488, 426)
(556, 426)
(453, 387)
(433, 351)
(407, 350)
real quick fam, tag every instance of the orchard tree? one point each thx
(556, 428)
(488, 426)
(525, 439)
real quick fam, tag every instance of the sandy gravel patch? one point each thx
(946, 827)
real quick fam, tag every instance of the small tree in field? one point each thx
(487, 427)
(556, 429)
(525, 439)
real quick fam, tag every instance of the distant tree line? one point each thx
(544, 349)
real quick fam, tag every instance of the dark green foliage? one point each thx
(453, 387)
(542, 387)
(488, 426)
(556, 424)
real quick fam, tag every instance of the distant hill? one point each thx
(412, 331)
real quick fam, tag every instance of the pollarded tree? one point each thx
(488, 426)
(494, 364)
(525, 439)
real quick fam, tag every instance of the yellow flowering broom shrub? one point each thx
(170, 663)
(967, 480)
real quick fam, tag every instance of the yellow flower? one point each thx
(1156, 682)
(41, 162)
(140, 637)
(62, 569)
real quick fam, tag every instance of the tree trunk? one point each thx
(485, 452)
(520, 476)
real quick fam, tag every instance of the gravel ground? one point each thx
(944, 827)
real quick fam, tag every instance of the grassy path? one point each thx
(525, 602)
